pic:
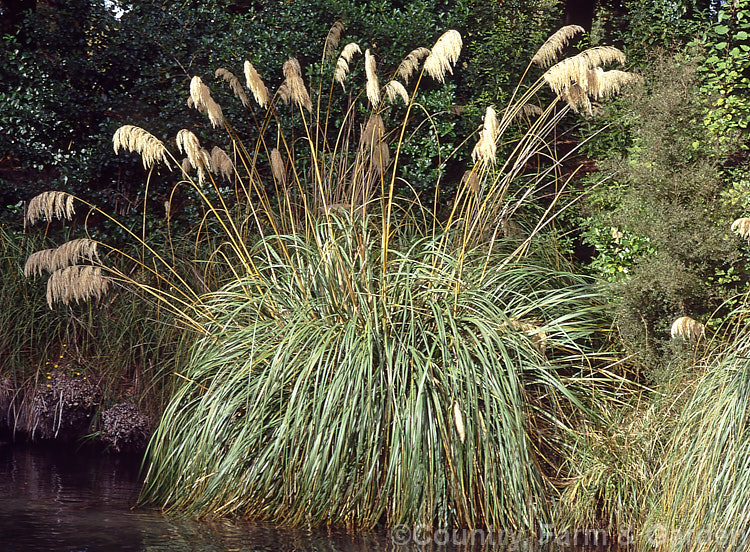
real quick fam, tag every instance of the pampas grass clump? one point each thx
(366, 360)
(343, 395)
(705, 482)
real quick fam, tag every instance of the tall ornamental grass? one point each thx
(704, 502)
(359, 359)
(336, 394)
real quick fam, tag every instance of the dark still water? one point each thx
(63, 500)
(69, 500)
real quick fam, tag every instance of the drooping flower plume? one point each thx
(444, 55)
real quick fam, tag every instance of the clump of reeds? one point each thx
(387, 396)
(704, 497)
(367, 360)
(612, 463)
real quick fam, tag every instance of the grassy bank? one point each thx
(64, 368)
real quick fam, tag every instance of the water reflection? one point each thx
(68, 500)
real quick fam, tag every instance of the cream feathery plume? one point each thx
(188, 143)
(285, 93)
(38, 262)
(133, 138)
(297, 91)
(256, 85)
(185, 165)
(76, 283)
(576, 78)
(342, 65)
(443, 55)
(291, 67)
(575, 69)
(605, 84)
(50, 205)
(332, 40)
(277, 166)
(410, 63)
(201, 96)
(577, 98)
(459, 421)
(395, 89)
(741, 226)
(486, 148)
(687, 328)
(221, 163)
(373, 87)
(234, 84)
(74, 251)
(554, 45)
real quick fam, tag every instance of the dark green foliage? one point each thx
(501, 38)
(666, 213)
(726, 74)
(73, 73)
(640, 26)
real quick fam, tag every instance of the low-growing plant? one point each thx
(112, 344)
(612, 463)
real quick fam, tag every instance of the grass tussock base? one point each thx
(331, 393)
(704, 502)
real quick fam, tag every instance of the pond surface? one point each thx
(73, 500)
